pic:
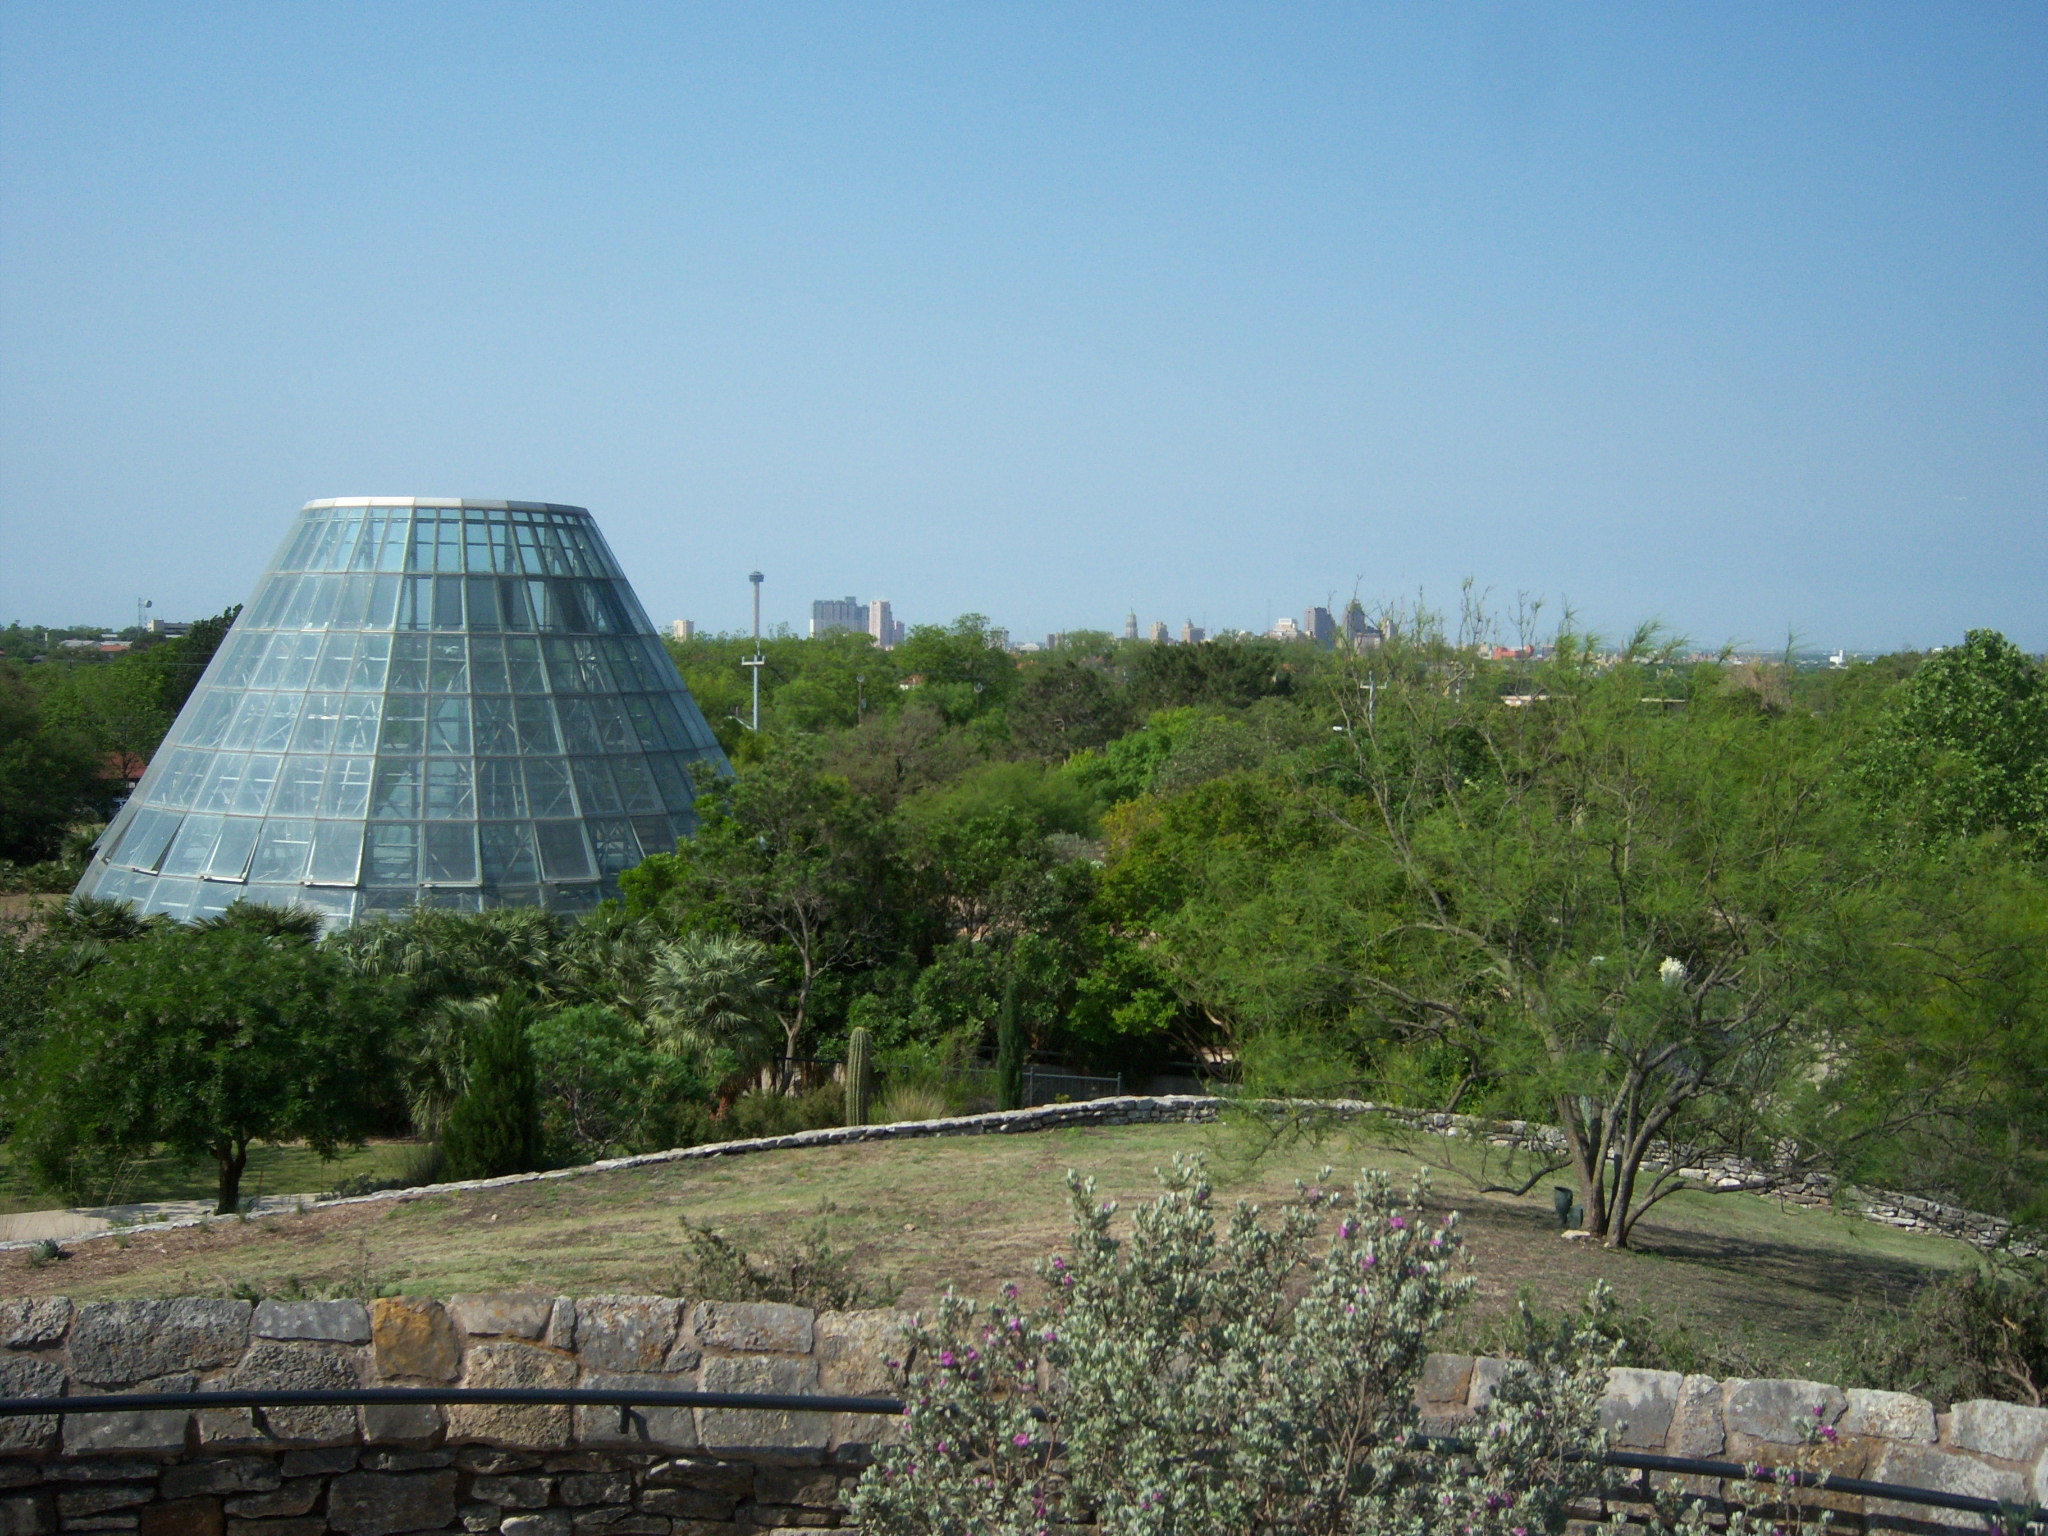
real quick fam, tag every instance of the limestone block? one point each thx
(854, 1350)
(98, 1498)
(1889, 1416)
(2005, 1430)
(542, 1522)
(479, 1518)
(27, 1514)
(1781, 1410)
(1696, 1426)
(689, 1503)
(401, 1423)
(1445, 1379)
(1928, 1466)
(186, 1517)
(310, 1525)
(729, 1477)
(294, 1367)
(103, 1469)
(385, 1503)
(812, 1486)
(120, 1520)
(561, 1332)
(1637, 1408)
(664, 1429)
(754, 1326)
(328, 1322)
(516, 1315)
(487, 1461)
(15, 1473)
(414, 1339)
(230, 1474)
(626, 1333)
(513, 1364)
(780, 1432)
(405, 1461)
(26, 1321)
(620, 1522)
(511, 1492)
(322, 1463)
(1487, 1375)
(287, 1499)
(119, 1343)
(140, 1429)
(2041, 1481)
(596, 1488)
(26, 1376)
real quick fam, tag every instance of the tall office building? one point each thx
(456, 703)
(882, 625)
(1159, 633)
(1131, 625)
(683, 629)
(846, 613)
(1358, 634)
(1192, 633)
(1318, 626)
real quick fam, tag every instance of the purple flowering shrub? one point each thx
(1210, 1376)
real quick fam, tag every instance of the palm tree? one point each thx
(712, 996)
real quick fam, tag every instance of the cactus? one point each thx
(859, 1077)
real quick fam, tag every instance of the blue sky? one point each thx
(1730, 315)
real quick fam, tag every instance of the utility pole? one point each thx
(758, 660)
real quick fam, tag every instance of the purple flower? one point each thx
(1397, 1223)
(1020, 1438)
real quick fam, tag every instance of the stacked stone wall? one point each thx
(556, 1470)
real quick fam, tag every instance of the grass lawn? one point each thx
(271, 1171)
(975, 1212)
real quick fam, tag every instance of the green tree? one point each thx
(711, 1001)
(494, 1128)
(50, 777)
(1964, 749)
(603, 1088)
(202, 1042)
(1010, 1051)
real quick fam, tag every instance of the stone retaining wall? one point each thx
(562, 1471)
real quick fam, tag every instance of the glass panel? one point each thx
(281, 852)
(613, 729)
(337, 907)
(572, 900)
(547, 787)
(318, 723)
(415, 603)
(364, 556)
(518, 611)
(504, 549)
(656, 835)
(148, 835)
(579, 725)
(487, 665)
(394, 853)
(348, 787)
(373, 657)
(298, 786)
(353, 605)
(495, 728)
(615, 845)
(231, 854)
(275, 733)
(397, 796)
(563, 855)
(184, 771)
(325, 590)
(450, 849)
(336, 658)
(212, 900)
(673, 783)
(537, 726)
(397, 540)
(448, 725)
(500, 790)
(636, 786)
(337, 853)
(419, 554)
(271, 667)
(253, 797)
(408, 664)
(448, 548)
(222, 780)
(405, 725)
(447, 602)
(522, 657)
(508, 852)
(248, 720)
(448, 666)
(298, 664)
(276, 592)
(171, 898)
(292, 614)
(449, 790)
(594, 788)
(356, 730)
(209, 719)
(483, 602)
(235, 662)
(192, 849)
(383, 610)
(544, 615)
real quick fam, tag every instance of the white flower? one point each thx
(1671, 972)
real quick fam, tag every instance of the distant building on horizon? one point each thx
(1359, 635)
(1317, 625)
(1192, 633)
(882, 626)
(1285, 629)
(1159, 633)
(830, 615)
(682, 629)
(1131, 625)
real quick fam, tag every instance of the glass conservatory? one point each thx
(456, 703)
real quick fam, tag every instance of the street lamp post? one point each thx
(756, 661)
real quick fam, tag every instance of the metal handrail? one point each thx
(624, 1399)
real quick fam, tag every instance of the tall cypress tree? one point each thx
(494, 1128)
(1009, 1051)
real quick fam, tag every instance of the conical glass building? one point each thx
(457, 703)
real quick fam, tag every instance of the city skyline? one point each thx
(1731, 318)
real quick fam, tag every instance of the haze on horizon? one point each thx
(1733, 316)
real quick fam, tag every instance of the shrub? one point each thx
(763, 1112)
(1980, 1333)
(913, 1102)
(1260, 1378)
(804, 1271)
(494, 1128)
